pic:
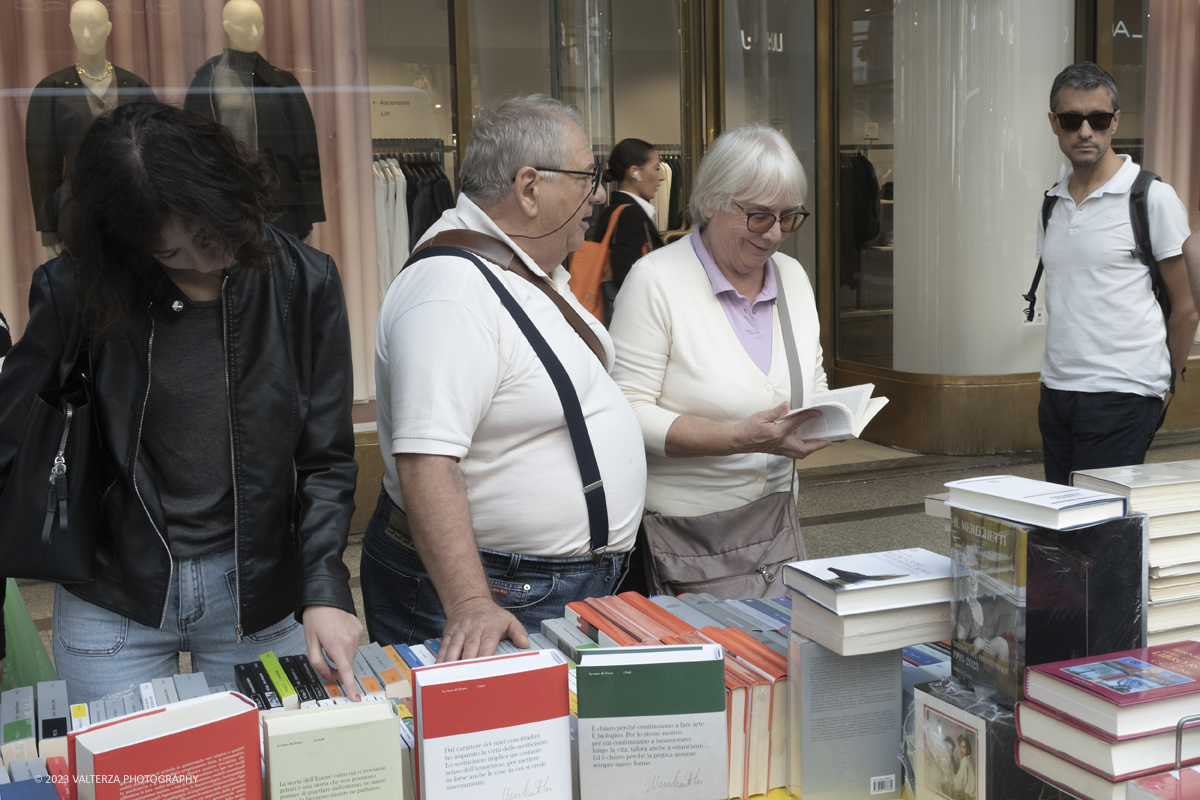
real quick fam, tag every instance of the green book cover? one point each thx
(283, 687)
(989, 561)
(652, 723)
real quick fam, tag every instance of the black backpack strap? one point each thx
(581, 441)
(1139, 218)
(1047, 210)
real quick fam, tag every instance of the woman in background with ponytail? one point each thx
(635, 167)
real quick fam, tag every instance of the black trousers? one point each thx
(1093, 430)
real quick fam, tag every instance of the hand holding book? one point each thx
(775, 431)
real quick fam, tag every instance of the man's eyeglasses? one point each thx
(595, 175)
(1097, 120)
(761, 221)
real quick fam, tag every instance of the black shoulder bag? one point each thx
(50, 507)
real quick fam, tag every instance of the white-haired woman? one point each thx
(701, 353)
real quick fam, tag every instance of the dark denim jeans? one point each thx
(402, 606)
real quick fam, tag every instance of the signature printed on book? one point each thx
(682, 780)
(532, 789)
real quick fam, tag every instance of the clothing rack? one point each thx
(850, 148)
(668, 149)
(402, 149)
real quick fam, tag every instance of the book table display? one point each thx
(1016, 668)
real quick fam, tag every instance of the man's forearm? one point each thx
(439, 517)
(1181, 326)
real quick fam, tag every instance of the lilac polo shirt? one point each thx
(751, 321)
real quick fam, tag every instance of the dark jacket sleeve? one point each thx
(32, 364)
(3, 591)
(44, 155)
(304, 129)
(627, 241)
(326, 471)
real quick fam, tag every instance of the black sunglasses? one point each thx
(1097, 120)
(595, 175)
(761, 221)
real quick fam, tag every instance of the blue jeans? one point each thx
(100, 653)
(402, 606)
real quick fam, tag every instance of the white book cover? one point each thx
(1140, 476)
(951, 750)
(1035, 502)
(832, 581)
(494, 727)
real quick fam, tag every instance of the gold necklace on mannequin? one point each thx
(94, 78)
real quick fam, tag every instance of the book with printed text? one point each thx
(652, 723)
(493, 727)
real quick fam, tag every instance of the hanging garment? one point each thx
(662, 200)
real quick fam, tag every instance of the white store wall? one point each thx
(973, 155)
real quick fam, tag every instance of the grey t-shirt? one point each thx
(185, 437)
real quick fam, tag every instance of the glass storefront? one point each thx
(924, 177)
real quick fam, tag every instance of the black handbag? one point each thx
(50, 507)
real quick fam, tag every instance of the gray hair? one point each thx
(525, 131)
(1084, 76)
(753, 164)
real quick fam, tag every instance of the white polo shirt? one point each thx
(455, 376)
(1105, 331)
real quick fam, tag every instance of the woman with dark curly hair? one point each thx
(220, 368)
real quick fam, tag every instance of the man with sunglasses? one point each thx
(1110, 357)
(486, 524)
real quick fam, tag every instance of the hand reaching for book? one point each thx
(475, 626)
(336, 632)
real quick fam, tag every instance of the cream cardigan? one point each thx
(678, 355)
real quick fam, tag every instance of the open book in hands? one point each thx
(844, 413)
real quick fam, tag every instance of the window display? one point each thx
(62, 108)
(265, 108)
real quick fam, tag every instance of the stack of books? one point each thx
(789, 701)
(873, 602)
(1093, 725)
(1037, 579)
(1169, 495)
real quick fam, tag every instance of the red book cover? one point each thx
(1183, 784)
(1131, 676)
(482, 703)
(1025, 706)
(591, 622)
(656, 612)
(211, 758)
(72, 789)
(60, 777)
(748, 649)
(615, 610)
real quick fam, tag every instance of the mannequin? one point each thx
(265, 108)
(62, 108)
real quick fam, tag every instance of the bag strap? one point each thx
(612, 226)
(789, 345)
(503, 256)
(581, 441)
(1047, 210)
(795, 375)
(1139, 218)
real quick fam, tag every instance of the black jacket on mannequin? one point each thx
(287, 136)
(59, 115)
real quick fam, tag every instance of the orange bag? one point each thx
(591, 267)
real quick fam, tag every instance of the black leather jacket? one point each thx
(290, 391)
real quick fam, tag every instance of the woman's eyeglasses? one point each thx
(761, 221)
(1097, 120)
